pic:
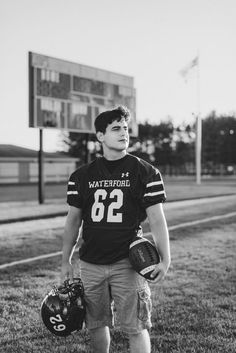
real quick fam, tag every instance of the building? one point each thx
(20, 165)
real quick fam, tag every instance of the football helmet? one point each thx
(63, 308)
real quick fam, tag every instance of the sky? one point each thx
(151, 40)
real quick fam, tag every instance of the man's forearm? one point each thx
(69, 242)
(161, 238)
(70, 236)
(160, 232)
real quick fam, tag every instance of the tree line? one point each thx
(172, 148)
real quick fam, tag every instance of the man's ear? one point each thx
(100, 135)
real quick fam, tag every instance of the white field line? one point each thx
(30, 259)
(203, 220)
(177, 226)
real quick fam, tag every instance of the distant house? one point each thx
(20, 165)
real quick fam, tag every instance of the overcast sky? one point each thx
(151, 40)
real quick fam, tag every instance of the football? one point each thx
(143, 256)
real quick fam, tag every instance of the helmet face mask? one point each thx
(63, 308)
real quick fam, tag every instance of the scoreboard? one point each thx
(68, 96)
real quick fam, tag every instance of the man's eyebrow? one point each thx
(116, 127)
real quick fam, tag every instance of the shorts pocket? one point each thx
(144, 304)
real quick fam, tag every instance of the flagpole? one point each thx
(198, 142)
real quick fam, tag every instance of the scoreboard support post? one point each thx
(40, 169)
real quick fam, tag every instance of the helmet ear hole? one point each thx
(63, 308)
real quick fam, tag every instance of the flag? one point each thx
(188, 68)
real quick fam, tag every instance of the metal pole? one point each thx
(41, 169)
(198, 144)
(198, 149)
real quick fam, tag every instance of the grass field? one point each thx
(177, 188)
(193, 308)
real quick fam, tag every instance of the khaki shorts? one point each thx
(116, 288)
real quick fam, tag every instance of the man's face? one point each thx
(116, 136)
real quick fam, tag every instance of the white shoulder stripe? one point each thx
(72, 192)
(155, 193)
(71, 183)
(153, 183)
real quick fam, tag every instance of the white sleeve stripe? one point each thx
(153, 183)
(155, 193)
(72, 192)
(71, 183)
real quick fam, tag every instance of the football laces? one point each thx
(150, 253)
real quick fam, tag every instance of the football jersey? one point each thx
(113, 205)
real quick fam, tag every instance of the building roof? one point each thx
(13, 151)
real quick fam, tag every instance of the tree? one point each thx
(172, 148)
(154, 142)
(219, 139)
(77, 145)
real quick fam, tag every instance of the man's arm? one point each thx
(158, 226)
(71, 231)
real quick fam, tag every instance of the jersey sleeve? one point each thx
(154, 191)
(74, 197)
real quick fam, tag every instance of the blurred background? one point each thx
(180, 56)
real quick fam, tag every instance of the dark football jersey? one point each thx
(113, 205)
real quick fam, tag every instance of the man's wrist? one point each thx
(66, 262)
(166, 262)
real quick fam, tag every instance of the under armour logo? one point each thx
(124, 175)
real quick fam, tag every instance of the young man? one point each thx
(111, 196)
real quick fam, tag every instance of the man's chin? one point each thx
(120, 149)
(124, 144)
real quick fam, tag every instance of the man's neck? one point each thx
(114, 155)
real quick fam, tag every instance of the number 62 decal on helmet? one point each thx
(63, 308)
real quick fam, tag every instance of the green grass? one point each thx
(196, 303)
(193, 308)
(20, 246)
(183, 189)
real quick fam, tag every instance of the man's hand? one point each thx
(160, 271)
(66, 272)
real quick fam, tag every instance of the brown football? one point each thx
(143, 256)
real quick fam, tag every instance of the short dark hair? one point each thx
(107, 117)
